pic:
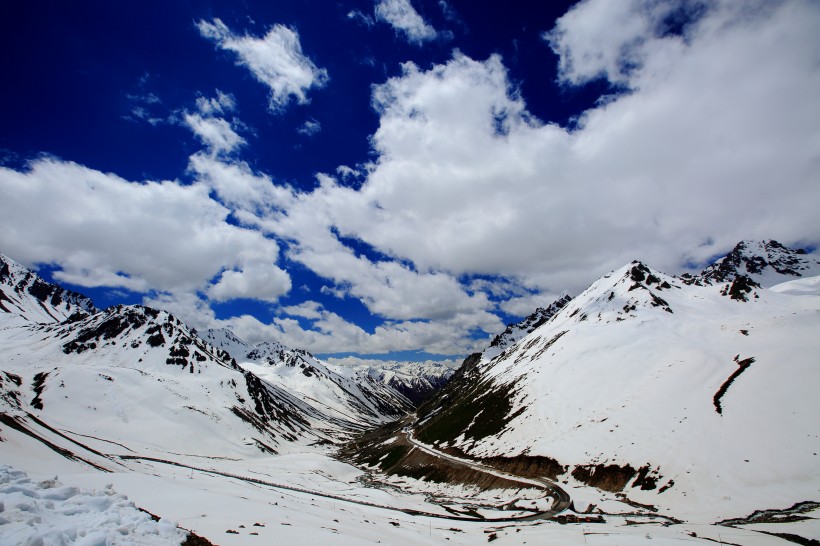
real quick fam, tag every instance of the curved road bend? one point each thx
(562, 498)
(409, 511)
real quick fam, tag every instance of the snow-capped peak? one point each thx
(517, 330)
(226, 340)
(25, 295)
(621, 295)
(765, 262)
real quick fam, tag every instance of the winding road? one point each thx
(562, 500)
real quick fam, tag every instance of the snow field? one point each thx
(48, 513)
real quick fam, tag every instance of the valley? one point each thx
(649, 407)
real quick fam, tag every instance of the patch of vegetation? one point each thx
(775, 515)
(470, 405)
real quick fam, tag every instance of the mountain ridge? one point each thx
(649, 386)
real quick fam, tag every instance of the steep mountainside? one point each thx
(700, 400)
(133, 380)
(336, 391)
(24, 295)
(136, 377)
(765, 262)
(517, 330)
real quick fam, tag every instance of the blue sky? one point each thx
(397, 179)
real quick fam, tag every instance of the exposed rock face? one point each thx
(517, 330)
(764, 262)
(23, 293)
(335, 389)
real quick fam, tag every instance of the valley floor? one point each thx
(308, 498)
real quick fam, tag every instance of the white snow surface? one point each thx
(49, 513)
(809, 286)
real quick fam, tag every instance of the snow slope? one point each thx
(180, 436)
(25, 297)
(142, 382)
(698, 399)
(515, 331)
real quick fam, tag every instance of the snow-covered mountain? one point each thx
(336, 391)
(766, 262)
(24, 295)
(698, 399)
(515, 331)
(418, 381)
(134, 380)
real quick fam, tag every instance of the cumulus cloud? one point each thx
(276, 60)
(709, 137)
(103, 230)
(328, 332)
(714, 143)
(353, 361)
(262, 281)
(215, 133)
(403, 17)
(388, 288)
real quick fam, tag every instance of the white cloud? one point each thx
(309, 128)
(103, 230)
(716, 141)
(347, 172)
(261, 281)
(387, 288)
(353, 361)
(275, 60)
(524, 305)
(330, 333)
(186, 306)
(222, 103)
(215, 133)
(356, 15)
(403, 17)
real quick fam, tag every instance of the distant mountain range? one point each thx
(82, 382)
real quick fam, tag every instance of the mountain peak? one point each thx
(517, 330)
(24, 294)
(765, 262)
